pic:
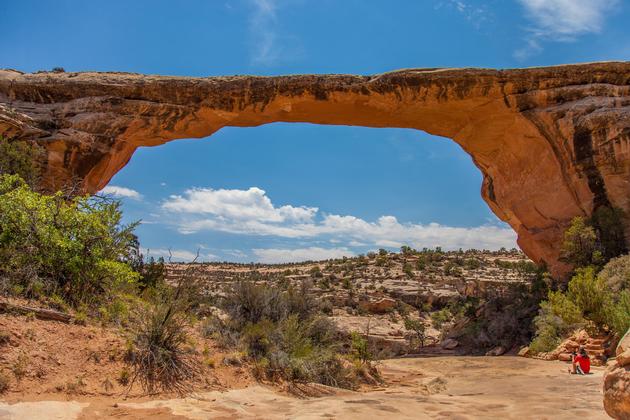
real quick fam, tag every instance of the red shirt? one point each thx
(585, 363)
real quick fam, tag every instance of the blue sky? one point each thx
(286, 192)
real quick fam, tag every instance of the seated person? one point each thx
(581, 363)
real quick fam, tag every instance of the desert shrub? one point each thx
(159, 353)
(440, 317)
(360, 347)
(281, 331)
(417, 328)
(248, 303)
(74, 248)
(558, 317)
(472, 264)
(579, 246)
(616, 274)
(159, 357)
(408, 269)
(20, 158)
(618, 313)
(588, 292)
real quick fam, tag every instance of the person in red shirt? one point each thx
(581, 363)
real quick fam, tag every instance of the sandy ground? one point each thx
(435, 387)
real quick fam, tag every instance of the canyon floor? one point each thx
(429, 387)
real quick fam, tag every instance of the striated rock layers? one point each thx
(552, 143)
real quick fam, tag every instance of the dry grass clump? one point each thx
(159, 353)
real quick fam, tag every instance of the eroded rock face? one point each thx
(552, 143)
(617, 382)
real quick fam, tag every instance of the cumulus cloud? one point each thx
(121, 192)
(251, 212)
(237, 205)
(274, 255)
(561, 20)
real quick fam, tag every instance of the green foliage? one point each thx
(408, 270)
(75, 249)
(441, 317)
(595, 241)
(452, 269)
(282, 331)
(588, 292)
(601, 299)
(20, 158)
(418, 328)
(360, 347)
(618, 313)
(580, 246)
(616, 274)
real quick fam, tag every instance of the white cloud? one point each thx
(274, 255)
(178, 255)
(251, 212)
(269, 45)
(561, 20)
(262, 28)
(121, 192)
(237, 205)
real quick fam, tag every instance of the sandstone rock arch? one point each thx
(552, 143)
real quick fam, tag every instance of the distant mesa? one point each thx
(552, 143)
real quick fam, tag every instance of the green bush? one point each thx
(618, 313)
(282, 332)
(441, 317)
(20, 158)
(73, 248)
(417, 328)
(580, 245)
(589, 293)
(360, 347)
(616, 274)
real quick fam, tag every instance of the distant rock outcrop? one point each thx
(552, 143)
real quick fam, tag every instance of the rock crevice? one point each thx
(552, 143)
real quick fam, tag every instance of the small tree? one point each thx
(418, 328)
(580, 246)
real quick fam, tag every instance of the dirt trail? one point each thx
(435, 387)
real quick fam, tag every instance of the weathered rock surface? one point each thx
(552, 143)
(617, 382)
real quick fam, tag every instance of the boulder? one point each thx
(497, 351)
(617, 382)
(449, 344)
(380, 306)
(524, 352)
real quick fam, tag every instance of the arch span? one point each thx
(552, 143)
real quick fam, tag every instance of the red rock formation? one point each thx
(552, 143)
(617, 382)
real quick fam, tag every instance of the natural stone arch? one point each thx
(552, 143)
